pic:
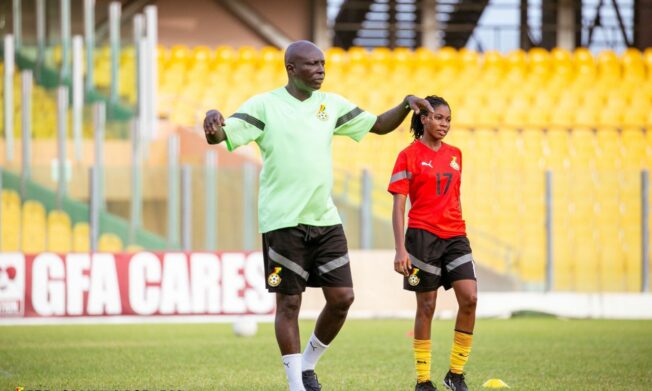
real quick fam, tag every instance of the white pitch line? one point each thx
(5, 373)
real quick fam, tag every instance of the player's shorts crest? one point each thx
(454, 164)
(322, 114)
(274, 279)
(414, 280)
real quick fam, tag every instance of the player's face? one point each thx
(308, 70)
(438, 123)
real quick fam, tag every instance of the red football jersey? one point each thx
(432, 181)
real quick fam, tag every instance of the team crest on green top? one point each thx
(322, 114)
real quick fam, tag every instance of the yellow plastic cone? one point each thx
(495, 383)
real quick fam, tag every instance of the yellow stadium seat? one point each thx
(11, 221)
(33, 234)
(635, 117)
(59, 232)
(647, 59)
(81, 238)
(202, 54)
(446, 57)
(109, 242)
(560, 57)
(587, 116)
(517, 60)
(134, 248)
(609, 65)
(583, 57)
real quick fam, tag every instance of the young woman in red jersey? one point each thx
(434, 251)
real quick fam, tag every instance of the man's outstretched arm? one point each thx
(213, 127)
(392, 118)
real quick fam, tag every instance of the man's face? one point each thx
(307, 70)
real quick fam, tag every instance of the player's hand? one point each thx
(212, 122)
(402, 264)
(417, 104)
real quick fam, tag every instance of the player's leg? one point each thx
(286, 323)
(332, 272)
(460, 271)
(466, 292)
(284, 254)
(424, 279)
(332, 317)
(329, 323)
(286, 326)
(422, 344)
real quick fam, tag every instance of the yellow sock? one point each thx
(460, 351)
(422, 356)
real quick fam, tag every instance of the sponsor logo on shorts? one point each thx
(274, 279)
(414, 280)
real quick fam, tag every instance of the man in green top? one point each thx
(303, 240)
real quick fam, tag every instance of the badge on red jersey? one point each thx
(454, 163)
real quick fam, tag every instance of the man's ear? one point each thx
(289, 67)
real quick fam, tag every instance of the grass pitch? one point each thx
(527, 353)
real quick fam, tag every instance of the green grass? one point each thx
(527, 353)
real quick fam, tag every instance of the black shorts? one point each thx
(437, 262)
(306, 255)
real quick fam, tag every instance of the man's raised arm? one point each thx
(392, 118)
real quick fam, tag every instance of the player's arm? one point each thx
(213, 127)
(402, 263)
(392, 118)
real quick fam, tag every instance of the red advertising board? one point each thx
(136, 284)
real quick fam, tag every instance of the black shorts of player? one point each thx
(306, 255)
(437, 262)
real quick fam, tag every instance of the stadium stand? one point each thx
(28, 228)
(585, 118)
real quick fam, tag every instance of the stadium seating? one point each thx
(583, 117)
(43, 103)
(10, 221)
(59, 232)
(27, 227)
(109, 242)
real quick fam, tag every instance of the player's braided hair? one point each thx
(416, 126)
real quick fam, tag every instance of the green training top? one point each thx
(295, 139)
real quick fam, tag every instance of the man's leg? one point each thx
(330, 321)
(332, 317)
(286, 325)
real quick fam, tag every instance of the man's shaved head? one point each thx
(299, 49)
(304, 64)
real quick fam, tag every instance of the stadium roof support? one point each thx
(257, 23)
(462, 21)
(642, 25)
(319, 23)
(567, 23)
(429, 38)
(562, 24)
